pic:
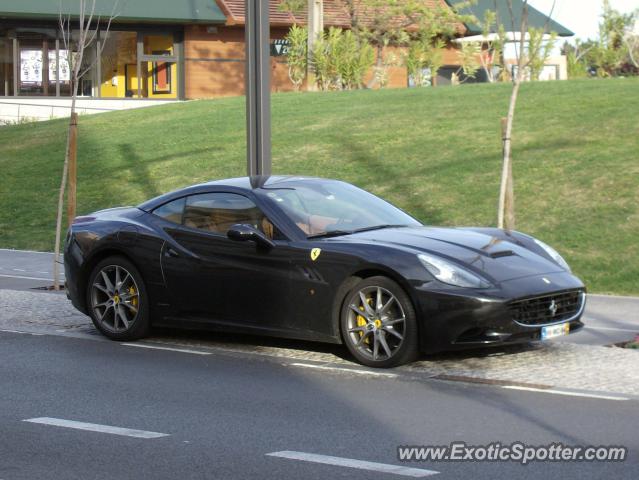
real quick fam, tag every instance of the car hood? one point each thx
(496, 258)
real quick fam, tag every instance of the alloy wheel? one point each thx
(115, 299)
(376, 323)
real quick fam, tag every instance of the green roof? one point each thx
(145, 11)
(535, 17)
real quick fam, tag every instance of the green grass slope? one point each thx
(433, 152)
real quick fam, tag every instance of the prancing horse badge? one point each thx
(315, 253)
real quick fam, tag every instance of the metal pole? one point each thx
(16, 69)
(5, 67)
(258, 88)
(98, 65)
(138, 68)
(45, 68)
(57, 67)
(178, 49)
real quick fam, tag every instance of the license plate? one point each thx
(555, 331)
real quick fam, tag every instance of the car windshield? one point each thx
(331, 208)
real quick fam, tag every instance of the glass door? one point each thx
(159, 65)
(37, 60)
(31, 75)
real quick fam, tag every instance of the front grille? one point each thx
(553, 308)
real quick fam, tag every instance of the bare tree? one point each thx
(632, 43)
(493, 54)
(628, 30)
(506, 209)
(398, 23)
(86, 25)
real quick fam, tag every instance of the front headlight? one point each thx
(450, 273)
(553, 254)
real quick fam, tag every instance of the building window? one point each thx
(35, 62)
(162, 75)
(119, 65)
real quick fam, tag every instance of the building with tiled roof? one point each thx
(163, 49)
(336, 13)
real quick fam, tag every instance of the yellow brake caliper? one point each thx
(134, 297)
(361, 321)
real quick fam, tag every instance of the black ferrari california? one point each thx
(315, 259)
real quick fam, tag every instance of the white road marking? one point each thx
(94, 427)
(23, 277)
(22, 333)
(153, 347)
(347, 370)
(352, 463)
(25, 251)
(636, 330)
(564, 392)
(603, 295)
(18, 270)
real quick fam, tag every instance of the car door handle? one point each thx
(171, 253)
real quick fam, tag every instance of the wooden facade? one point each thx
(214, 56)
(214, 62)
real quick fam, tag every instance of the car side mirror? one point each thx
(246, 233)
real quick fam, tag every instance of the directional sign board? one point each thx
(279, 48)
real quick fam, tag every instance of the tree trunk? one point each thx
(509, 203)
(63, 183)
(315, 27)
(506, 212)
(73, 169)
(631, 55)
(379, 66)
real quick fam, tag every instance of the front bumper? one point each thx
(73, 260)
(455, 318)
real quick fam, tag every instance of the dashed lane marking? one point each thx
(565, 392)
(352, 463)
(153, 347)
(94, 427)
(344, 370)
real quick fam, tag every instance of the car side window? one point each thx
(172, 211)
(218, 212)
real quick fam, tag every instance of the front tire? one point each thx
(117, 300)
(378, 323)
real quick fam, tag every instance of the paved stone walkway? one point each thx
(559, 365)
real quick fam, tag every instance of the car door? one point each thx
(214, 278)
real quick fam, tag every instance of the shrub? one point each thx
(296, 56)
(340, 60)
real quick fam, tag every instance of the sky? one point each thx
(581, 16)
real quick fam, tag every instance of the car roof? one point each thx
(237, 184)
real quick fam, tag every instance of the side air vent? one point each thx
(311, 274)
(503, 253)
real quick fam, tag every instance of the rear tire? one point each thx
(117, 300)
(378, 323)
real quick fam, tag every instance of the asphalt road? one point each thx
(222, 414)
(608, 319)
(23, 270)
